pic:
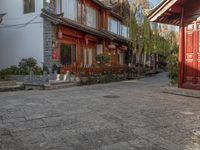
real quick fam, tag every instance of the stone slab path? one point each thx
(129, 115)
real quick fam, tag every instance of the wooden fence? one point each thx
(94, 70)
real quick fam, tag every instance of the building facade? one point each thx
(65, 33)
(21, 32)
(80, 30)
(186, 15)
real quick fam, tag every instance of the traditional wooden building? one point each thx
(186, 15)
(76, 31)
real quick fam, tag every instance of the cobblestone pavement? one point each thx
(130, 115)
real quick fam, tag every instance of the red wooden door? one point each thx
(192, 56)
(198, 54)
(189, 70)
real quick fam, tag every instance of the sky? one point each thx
(155, 2)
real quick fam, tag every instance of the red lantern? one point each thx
(60, 35)
(54, 55)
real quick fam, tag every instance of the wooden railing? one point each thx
(94, 70)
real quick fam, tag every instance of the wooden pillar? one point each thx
(106, 20)
(196, 46)
(181, 50)
(78, 59)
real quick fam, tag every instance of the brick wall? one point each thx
(49, 37)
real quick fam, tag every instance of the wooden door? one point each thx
(198, 54)
(189, 67)
(192, 56)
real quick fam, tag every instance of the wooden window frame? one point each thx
(29, 12)
(110, 17)
(97, 16)
(55, 6)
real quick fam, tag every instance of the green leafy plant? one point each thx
(102, 59)
(172, 67)
(28, 65)
(24, 68)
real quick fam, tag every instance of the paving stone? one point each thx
(82, 118)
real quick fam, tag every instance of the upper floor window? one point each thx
(70, 9)
(91, 17)
(29, 6)
(113, 25)
(124, 32)
(58, 6)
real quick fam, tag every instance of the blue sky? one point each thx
(155, 2)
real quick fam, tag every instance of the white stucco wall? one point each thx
(21, 35)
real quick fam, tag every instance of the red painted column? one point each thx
(181, 54)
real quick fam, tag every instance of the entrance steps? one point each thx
(60, 85)
(52, 85)
(7, 83)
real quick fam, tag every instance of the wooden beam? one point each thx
(181, 50)
(175, 9)
(162, 9)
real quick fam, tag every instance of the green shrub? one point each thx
(172, 67)
(103, 78)
(24, 68)
(102, 59)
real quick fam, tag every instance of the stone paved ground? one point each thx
(131, 115)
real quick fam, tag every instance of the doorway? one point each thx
(67, 54)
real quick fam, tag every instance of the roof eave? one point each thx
(159, 11)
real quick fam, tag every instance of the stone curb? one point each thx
(181, 92)
(11, 88)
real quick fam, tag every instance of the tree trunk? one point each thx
(145, 59)
(157, 60)
(139, 65)
(154, 63)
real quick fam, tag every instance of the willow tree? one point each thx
(146, 41)
(147, 47)
(133, 26)
(135, 21)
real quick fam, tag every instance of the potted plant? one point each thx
(102, 59)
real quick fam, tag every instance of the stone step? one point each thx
(7, 83)
(11, 88)
(181, 92)
(51, 86)
(60, 85)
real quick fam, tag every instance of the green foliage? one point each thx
(146, 36)
(172, 66)
(103, 78)
(102, 59)
(133, 26)
(8, 71)
(24, 68)
(29, 63)
(145, 40)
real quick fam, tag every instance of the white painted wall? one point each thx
(21, 35)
